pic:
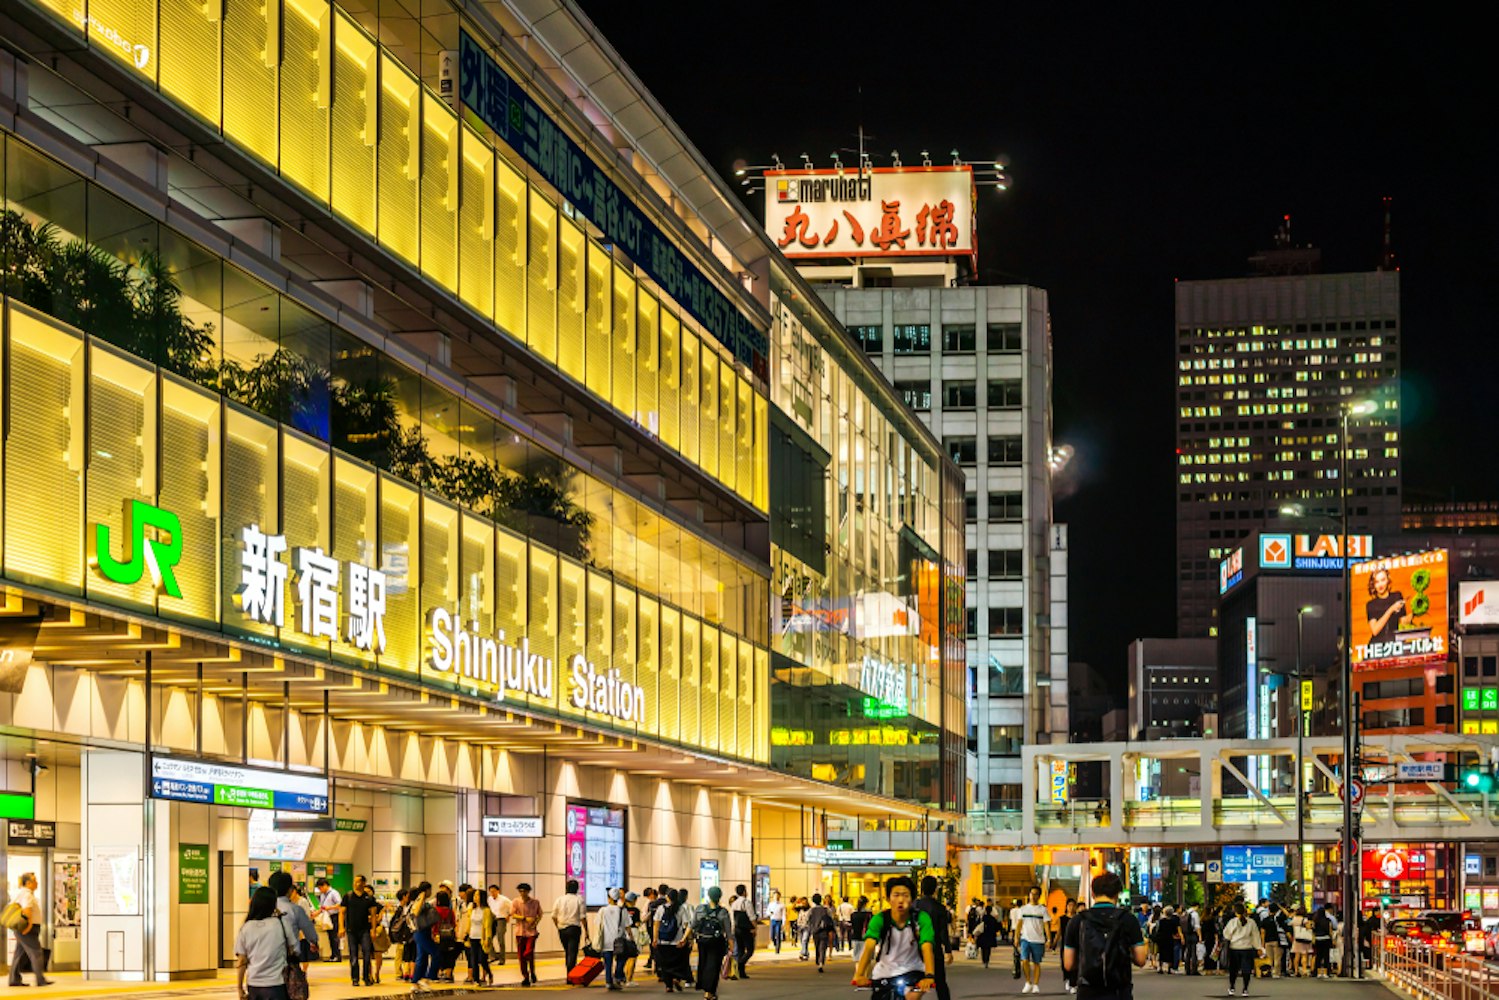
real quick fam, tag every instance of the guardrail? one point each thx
(1430, 973)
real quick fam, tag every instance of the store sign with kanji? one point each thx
(881, 212)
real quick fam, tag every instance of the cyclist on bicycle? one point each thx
(899, 945)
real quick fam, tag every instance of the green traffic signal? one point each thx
(1479, 780)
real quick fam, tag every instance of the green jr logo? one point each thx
(155, 544)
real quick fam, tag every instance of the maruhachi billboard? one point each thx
(1400, 610)
(878, 212)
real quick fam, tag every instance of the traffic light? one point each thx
(1479, 779)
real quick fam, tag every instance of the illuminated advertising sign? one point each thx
(231, 785)
(886, 682)
(520, 827)
(1059, 782)
(1312, 553)
(1400, 611)
(879, 212)
(1393, 864)
(503, 105)
(1478, 602)
(1230, 571)
(1251, 679)
(595, 846)
(152, 543)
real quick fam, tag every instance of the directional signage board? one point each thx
(1420, 770)
(232, 785)
(528, 827)
(1254, 864)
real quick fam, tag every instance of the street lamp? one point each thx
(1303, 715)
(1352, 965)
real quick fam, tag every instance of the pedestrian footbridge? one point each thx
(1195, 792)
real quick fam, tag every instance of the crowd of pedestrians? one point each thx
(431, 933)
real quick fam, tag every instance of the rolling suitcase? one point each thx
(585, 972)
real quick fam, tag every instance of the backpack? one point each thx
(446, 931)
(666, 929)
(400, 927)
(1103, 950)
(707, 926)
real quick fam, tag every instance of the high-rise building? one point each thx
(387, 439)
(1173, 686)
(1265, 367)
(974, 362)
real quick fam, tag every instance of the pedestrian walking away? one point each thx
(898, 954)
(988, 934)
(262, 950)
(673, 941)
(742, 914)
(1244, 943)
(1104, 944)
(823, 929)
(1168, 940)
(1031, 928)
(569, 916)
(614, 941)
(712, 930)
(930, 907)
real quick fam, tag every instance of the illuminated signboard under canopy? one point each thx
(232, 785)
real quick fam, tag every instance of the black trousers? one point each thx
(1189, 954)
(939, 972)
(744, 947)
(710, 965)
(570, 936)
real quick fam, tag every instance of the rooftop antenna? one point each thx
(1387, 256)
(1283, 235)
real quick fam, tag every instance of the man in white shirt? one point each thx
(29, 937)
(499, 905)
(329, 900)
(846, 923)
(568, 916)
(1031, 920)
(743, 918)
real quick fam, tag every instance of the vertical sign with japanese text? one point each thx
(503, 105)
(192, 873)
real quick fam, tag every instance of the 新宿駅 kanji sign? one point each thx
(879, 212)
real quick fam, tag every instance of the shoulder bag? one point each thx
(296, 979)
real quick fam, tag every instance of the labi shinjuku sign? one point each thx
(153, 543)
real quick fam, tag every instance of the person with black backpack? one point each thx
(822, 927)
(938, 915)
(712, 929)
(1104, 945)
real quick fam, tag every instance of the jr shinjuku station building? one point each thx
(401, 476)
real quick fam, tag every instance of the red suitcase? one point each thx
(585, 972)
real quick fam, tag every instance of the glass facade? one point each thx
(860, 617)
(350, 122)
(149, 370)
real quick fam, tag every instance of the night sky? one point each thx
(1143, 148)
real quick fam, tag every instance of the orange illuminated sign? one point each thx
(1400, 610)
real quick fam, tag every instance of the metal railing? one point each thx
(1428, 972)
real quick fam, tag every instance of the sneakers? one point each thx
(1231, 991)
